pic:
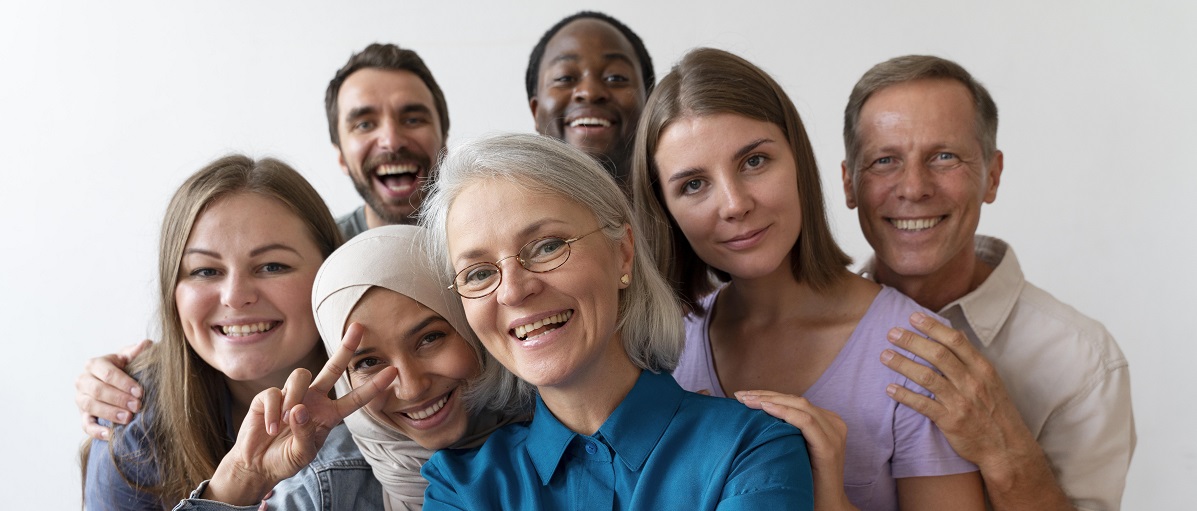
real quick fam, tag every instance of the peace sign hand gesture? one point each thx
(285, 428)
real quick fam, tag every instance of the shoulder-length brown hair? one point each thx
(188, 428)
(708, 81)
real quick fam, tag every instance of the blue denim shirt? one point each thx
(339, 478)
(662, 448)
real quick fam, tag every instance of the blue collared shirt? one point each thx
(662, 448)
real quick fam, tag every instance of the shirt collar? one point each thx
(986, 308)
(632, 430)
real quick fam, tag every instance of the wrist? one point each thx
(236, 485)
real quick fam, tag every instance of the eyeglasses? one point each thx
(537, 256)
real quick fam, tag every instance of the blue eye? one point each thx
(480, 274)
(755, 161)
(275, 267)
(203, 273)
(543, 250)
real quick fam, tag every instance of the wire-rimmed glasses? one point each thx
(537, 256)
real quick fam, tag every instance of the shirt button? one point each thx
(590, 448)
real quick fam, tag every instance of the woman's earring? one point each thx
(625, 279)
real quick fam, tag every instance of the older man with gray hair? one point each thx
(1031, 390)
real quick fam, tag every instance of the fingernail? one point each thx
(919, 319)
(891, 389)
(887, 355)
(767, 405)
(301, 416)
(104, 434)
(136, 391)
(285, 414)
(122, 417)
(132, 406)
(271, 428)
(894, 334)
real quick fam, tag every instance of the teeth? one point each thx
(915, 224)
(590, 121)
(394, 169)
(251, 328)
(427, 412)
(561, 317)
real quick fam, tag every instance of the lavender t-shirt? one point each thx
(885, 440)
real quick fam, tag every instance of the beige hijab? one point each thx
(389, 257)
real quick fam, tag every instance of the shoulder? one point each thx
(115, 469)
(723, 419)
(1039, 313)
(503, 448)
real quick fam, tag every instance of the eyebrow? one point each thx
(252, 253)
(742, 152)
(523, 233)
(362, 111)
(573, 57)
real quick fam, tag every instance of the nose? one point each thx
(915, 182)
(737, 201)
(238, 290)
(412, 382)
(517, 283)
(391, 136)
(590, 88)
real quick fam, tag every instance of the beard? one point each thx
(364, 181)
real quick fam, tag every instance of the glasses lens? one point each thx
(477, 279)
(544, 254)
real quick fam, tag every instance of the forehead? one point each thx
(382, 309)
(588, 39)
(928, 107)
(492, 216)
(379, 88)
(249, 218)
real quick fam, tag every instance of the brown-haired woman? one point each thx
(240, 246)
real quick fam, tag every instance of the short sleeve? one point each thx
(773, 473)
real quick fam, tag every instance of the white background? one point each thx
(106, 107)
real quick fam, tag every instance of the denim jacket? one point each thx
(339, 478)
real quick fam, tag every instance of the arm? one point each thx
(956, 491)
(104, 391)
(826, 439)
(285, 428)
(774, 472)
(106, 486)
(976, 415)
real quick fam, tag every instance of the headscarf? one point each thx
(389, 257)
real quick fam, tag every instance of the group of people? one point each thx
(564, 326)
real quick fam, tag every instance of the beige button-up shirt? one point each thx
(1062, 370)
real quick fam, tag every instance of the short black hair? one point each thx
(532, 76)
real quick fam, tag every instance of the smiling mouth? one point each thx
(540, 327)
(916, 224)
(398, 177)
(590, 122)
(247, 329)
(431, 410)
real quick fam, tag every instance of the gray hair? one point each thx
(909, 68)
(650, 321)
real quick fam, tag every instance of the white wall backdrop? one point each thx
(105, 107)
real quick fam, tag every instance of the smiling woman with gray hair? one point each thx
(543, 248)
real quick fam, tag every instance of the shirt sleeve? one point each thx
(1091, 439)
(920, 448)
(106, 487)
(193, 502)
(773, 473)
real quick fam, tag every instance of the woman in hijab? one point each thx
(398, 323)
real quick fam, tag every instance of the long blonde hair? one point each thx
(188, 426)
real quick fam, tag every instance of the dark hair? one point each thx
(708, 81)
(384, 56)
(910, 68)
(532, 75)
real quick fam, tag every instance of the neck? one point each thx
(373, 219)
(584, 405)
(939, 288)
